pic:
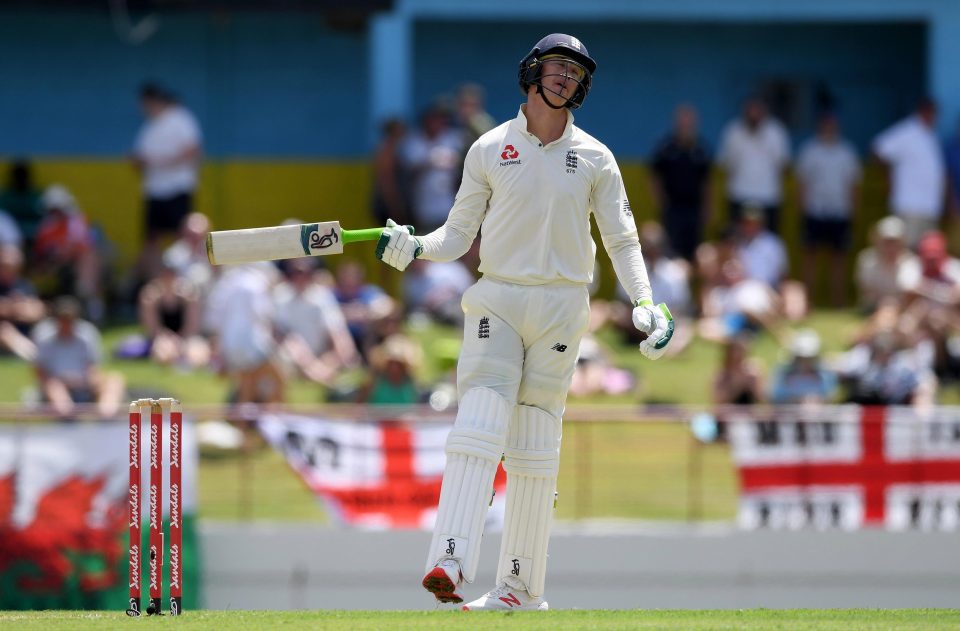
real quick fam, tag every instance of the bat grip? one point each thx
(367, 234)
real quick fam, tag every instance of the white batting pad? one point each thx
(532, 461)
(474, 448)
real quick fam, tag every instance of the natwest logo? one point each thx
(509, 153)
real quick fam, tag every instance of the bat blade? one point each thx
(251, 245)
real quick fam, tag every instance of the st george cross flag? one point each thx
(377, 474)
(848, 467)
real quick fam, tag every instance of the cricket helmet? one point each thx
(562, 45)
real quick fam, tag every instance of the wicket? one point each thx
(160, 410)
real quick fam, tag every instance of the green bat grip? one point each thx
(367, 234)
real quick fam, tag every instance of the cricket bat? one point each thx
(283, 242)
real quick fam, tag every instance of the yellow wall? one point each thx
(248, 193)
(235, 194)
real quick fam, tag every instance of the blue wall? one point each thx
(286, 85)
(264, 84)
(875, 70)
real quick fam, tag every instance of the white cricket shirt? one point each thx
(532, 204)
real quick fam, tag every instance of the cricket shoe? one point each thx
(506, 598)
(444, 580)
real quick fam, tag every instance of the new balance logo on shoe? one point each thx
(484, 331)
(511, 600)
(559, 347)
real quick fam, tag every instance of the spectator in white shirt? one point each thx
(167, 154)
(431, 157)
(754, 150)
(764, 259)
(917, 170)
(828, 175)
(885, 270)
(311, 324)
(240, 313)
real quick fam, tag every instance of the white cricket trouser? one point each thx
(519, 352)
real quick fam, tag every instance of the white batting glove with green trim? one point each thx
(657, 323)
(397, 246)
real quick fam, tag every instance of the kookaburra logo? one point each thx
(451, 545)
(516, 567)
(311, 239)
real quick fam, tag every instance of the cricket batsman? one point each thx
(530, 185)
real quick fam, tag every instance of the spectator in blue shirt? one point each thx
(802, 379)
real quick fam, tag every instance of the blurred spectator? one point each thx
(917, 182)
(65, 247)
(20, 308)
(435, 289)
(802, 378)
(754, 150)
(881, 371)
(311, 325)
(393, 364)
(21, 199)
(740, 378)
(68, 363)
(595, 373)
(431, 157)
(952, 159)
(938, 278)
(680, 169)
(883, 270)
(472, 121)
(390, 199)
(9, 231)
(734, 304)
(240, 316)
(828, 174)
(188, 254)
(764, 258)
(362, 303)
(739, 381)
(167, 154)
(170, 314)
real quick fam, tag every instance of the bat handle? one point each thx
(367, 234)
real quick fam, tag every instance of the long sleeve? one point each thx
(619, 231)
(452, 240)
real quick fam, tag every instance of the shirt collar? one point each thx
(521, 123)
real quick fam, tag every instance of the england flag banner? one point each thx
(374, 474)
(847, 467)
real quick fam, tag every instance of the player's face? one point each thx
(560, 78)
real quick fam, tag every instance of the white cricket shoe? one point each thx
(506, 598)
(444, 580)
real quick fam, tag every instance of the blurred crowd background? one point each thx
(789, 188)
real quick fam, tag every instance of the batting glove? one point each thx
(397, 246)
(657, 323)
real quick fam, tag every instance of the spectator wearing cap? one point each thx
(828, 175)
(188, 254)
(917, 173)
(754, 150)
(680, 170)
(883, 270)
(167, 154)
(430, 157)
(68, 363)
(65, 247)
(393, 365)
(802, 378)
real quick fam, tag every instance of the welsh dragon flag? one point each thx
(63, 517)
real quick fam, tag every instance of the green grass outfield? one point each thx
(795, 619)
